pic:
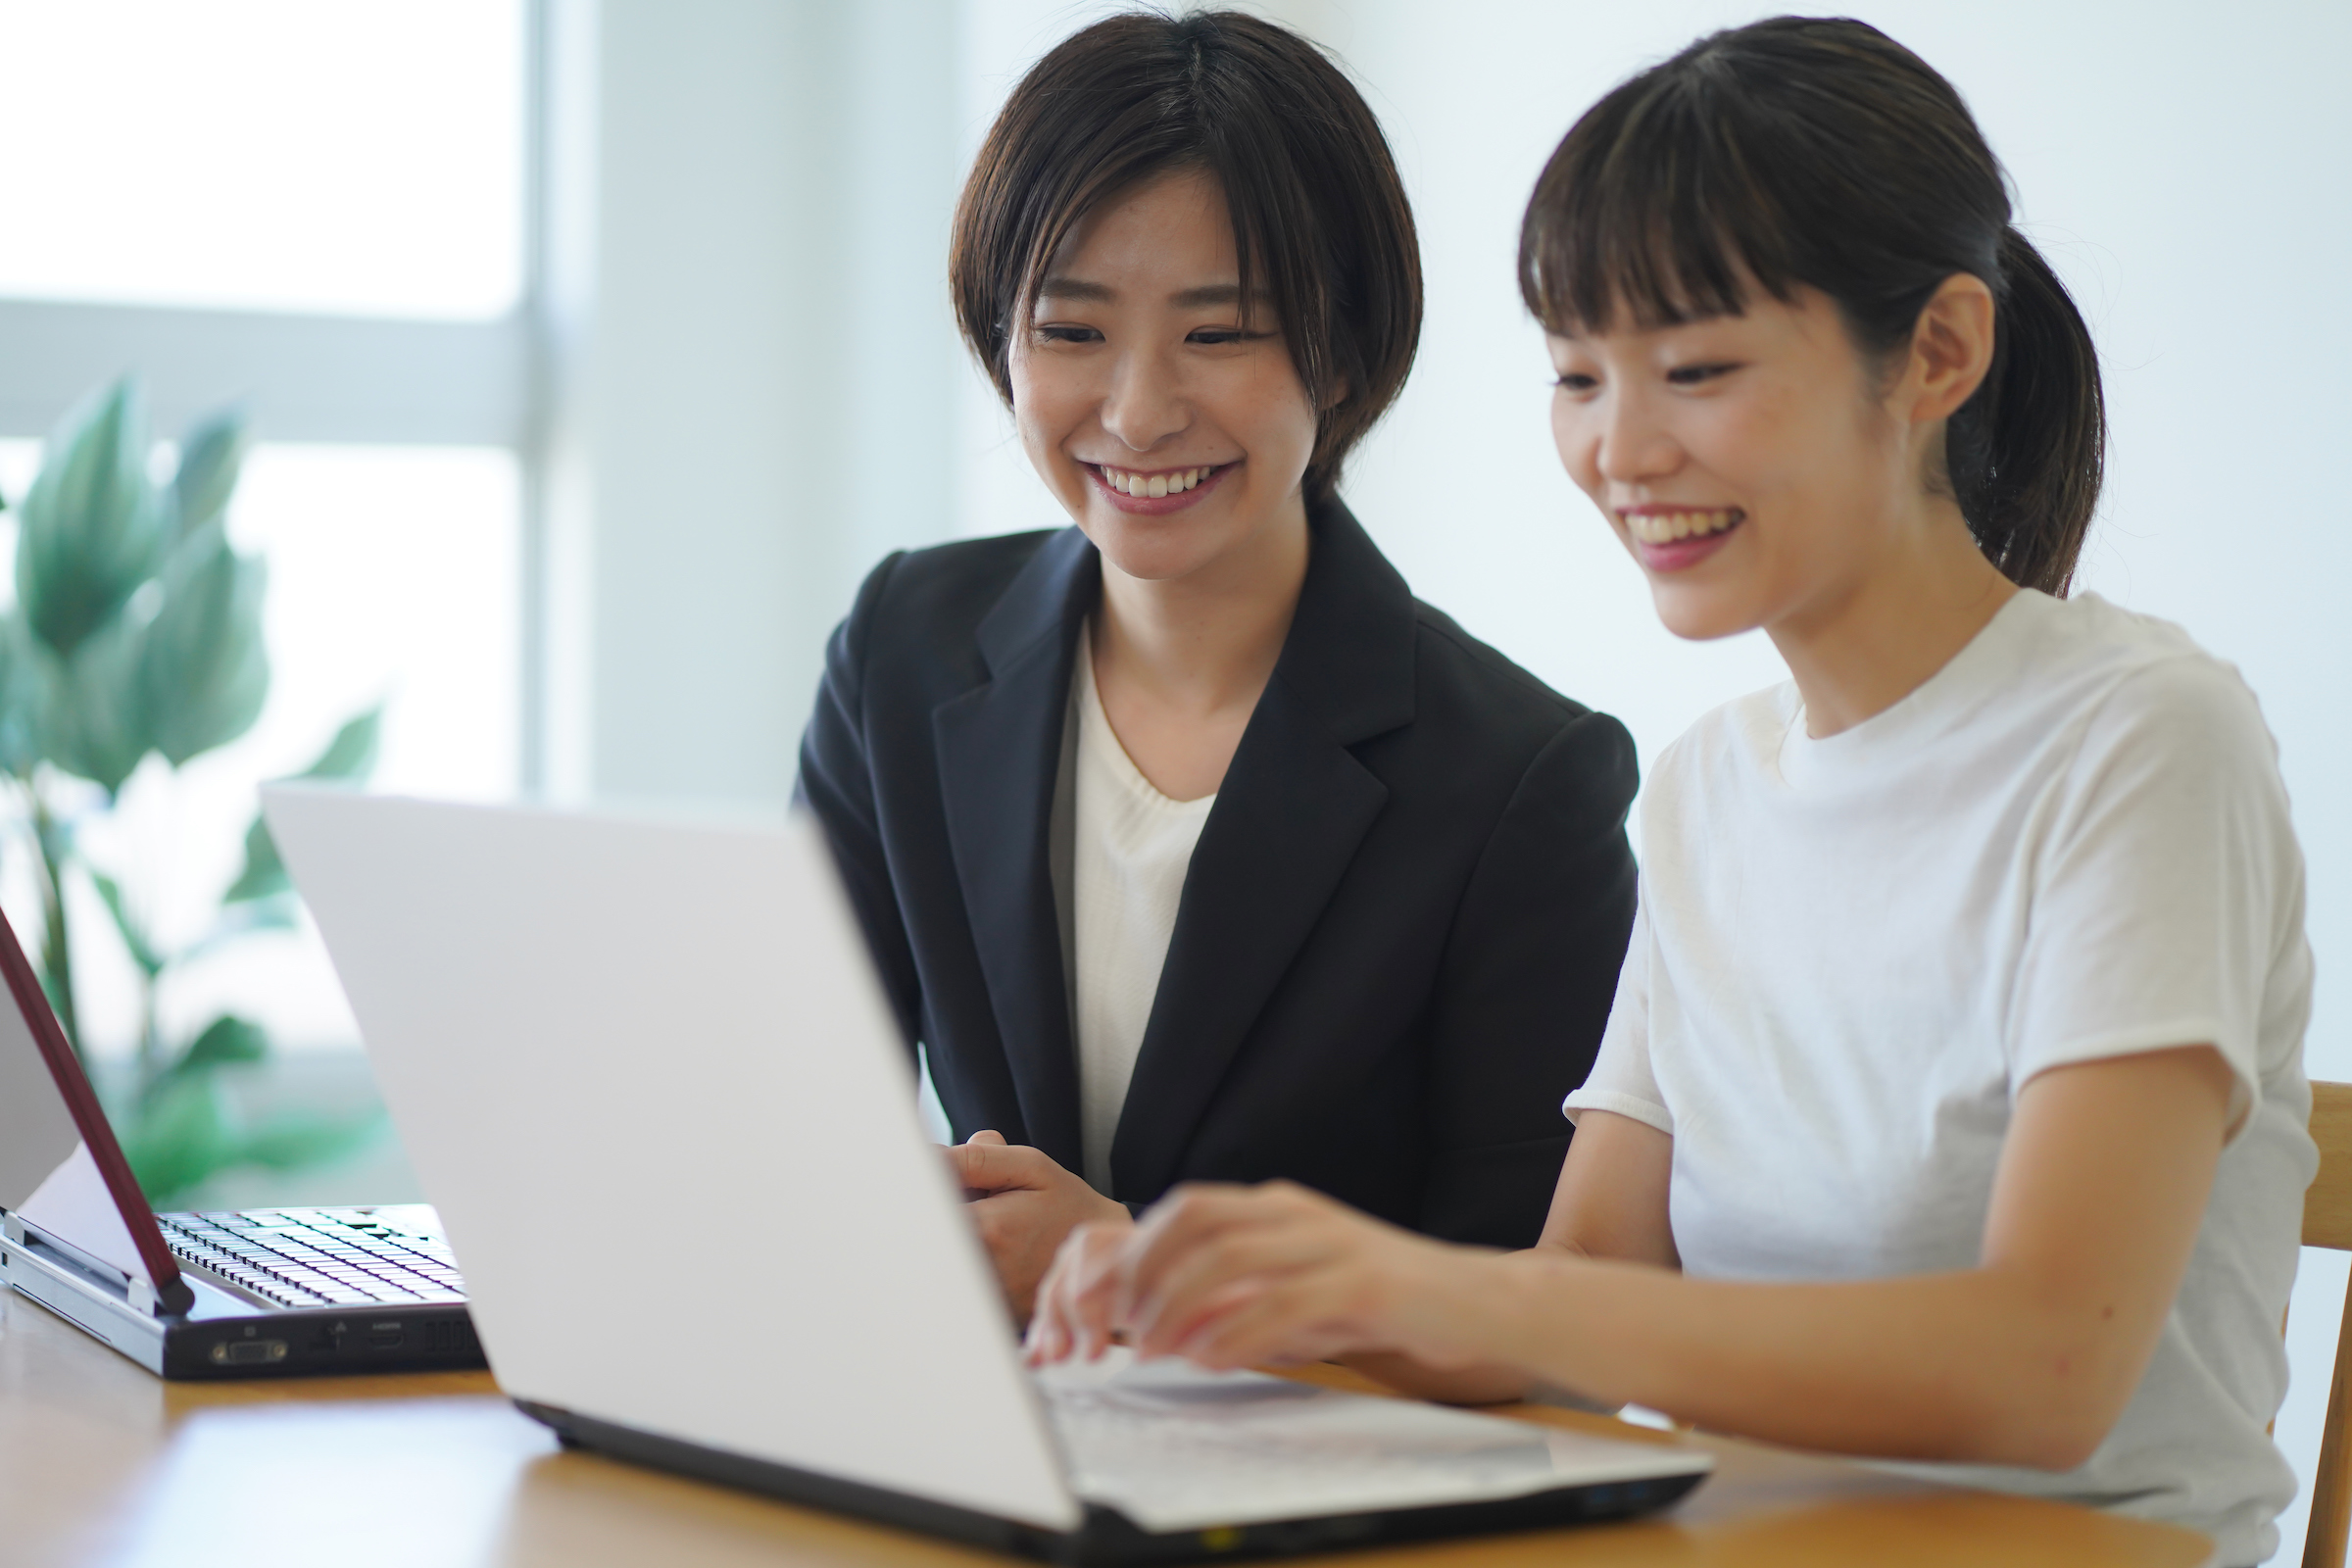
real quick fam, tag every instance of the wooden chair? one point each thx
(2327, 1222)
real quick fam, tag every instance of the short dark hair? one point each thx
(1821, 152)
(1320, 222)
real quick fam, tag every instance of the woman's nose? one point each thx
(1636, 447)
(1145, 404)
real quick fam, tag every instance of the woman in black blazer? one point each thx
(1397, 934)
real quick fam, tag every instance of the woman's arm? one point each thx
(837, 786)
(2027, 1358)
(1610, 1203)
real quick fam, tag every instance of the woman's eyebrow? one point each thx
(1188, 299)
(1192, 299)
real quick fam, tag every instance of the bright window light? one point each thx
(278, 155)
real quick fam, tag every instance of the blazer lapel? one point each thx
(1294, 806)
(1000, 748)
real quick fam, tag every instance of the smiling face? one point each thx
(1176, 439)
(1752, 464)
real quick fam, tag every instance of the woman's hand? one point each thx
(1243, 1276)
(1024, 1204)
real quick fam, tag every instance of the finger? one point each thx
(996, 1166)
(1096, 1253)
(1190, 1288)
(1069, 1303)
(1183, 1221)
(1300, 1318)
(987, 1134)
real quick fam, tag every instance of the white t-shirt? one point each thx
(1131, 849)
(2070, 843)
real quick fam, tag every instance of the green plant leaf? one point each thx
(27, 674)
(227, 1038)
(264, 874)
(295, 1140)
(204, 671)
(91, 528)
(211, 458)
(96, 715)
(351, 754)
(176, 1136)
(142, 951)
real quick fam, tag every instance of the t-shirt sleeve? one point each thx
(1621, 1079)
(2165, 886)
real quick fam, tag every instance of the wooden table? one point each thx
(101, 1463)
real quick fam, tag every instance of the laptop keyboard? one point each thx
(317, 1257)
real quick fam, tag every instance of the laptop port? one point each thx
(385, 1336)
(248, 1353)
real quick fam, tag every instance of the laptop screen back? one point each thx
(647, 1078)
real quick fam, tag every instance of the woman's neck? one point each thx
(1181, 663)
(1866, 648)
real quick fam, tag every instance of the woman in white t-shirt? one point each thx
(1953, 1107)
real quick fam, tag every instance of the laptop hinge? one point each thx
(139, 1292)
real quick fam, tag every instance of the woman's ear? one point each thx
(1952, 349)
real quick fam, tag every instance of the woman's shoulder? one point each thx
(2134, 674)
(1451, 664)
(952, 584)
(1485, 712)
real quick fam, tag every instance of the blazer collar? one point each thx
(1293, 806)
(1348, 658)
(999, 749)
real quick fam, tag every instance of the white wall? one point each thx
(751, 377)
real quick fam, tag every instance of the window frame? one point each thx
(314, 377)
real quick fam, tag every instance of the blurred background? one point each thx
(578, 356)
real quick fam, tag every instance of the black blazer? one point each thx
(1399, 937)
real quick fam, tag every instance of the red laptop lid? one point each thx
(61, 1169)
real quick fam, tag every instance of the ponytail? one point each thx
(1821, 153)
(2026, 453)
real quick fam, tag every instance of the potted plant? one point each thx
(137, 631)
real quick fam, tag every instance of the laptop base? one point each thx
(221, 1337)
(1107, 1537)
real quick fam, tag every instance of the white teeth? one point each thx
(1665, 527)
(1152, 487)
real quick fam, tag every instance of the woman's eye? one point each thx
(1218, 336)
(1576, 382)
(1695, 374)
(1065, 332)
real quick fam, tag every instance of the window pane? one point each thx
(264, 154)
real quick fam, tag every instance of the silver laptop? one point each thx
(657, 1052)
(247, 1293)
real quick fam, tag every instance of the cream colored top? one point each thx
(1131, 849)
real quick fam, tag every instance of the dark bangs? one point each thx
(1650, 215)
(1768, 157)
